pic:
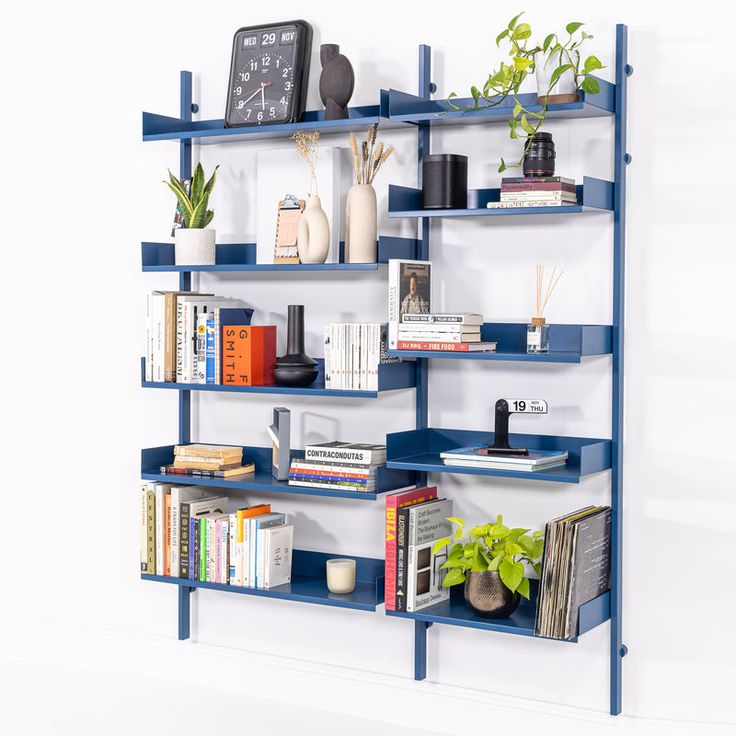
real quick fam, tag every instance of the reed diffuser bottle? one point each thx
(537, 332)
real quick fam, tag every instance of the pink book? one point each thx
(395, 501)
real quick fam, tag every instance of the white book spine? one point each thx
(327, 352)
(159, 341)
(149, 340)
(232, 556)
(187, 356)
(240, 555)
(439, 336)
(200, 360)
(260, 557)
(218, 348)
(175, 523)
(251, 553)
(244, 554)
(224, 549)
(144, 529)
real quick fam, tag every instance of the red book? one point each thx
(248, 355)
(449, 347)
(542, 186)
(395, 501)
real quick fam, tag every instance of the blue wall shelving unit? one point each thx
(415, 453)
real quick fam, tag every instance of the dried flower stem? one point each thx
(371, 157)
(307, 147)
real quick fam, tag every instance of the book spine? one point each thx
(184, 540)
(449, 347)
(194, 548)
(179, 340)
(458, 318)
(317, 476)
(144, 528)
(328, 356)
(346, 455)
(328, 486)
(260, 557)
(203, 550)
(225, 550)
(175, 533)
(159, 319)
(151, 530)
(392, 509)
(200, 357)
(402, 548)
(537, 180)
(411, 574)
(167, 544)
(423, 336)
(210, 352)
(170, 338)
(358, 471)
(160, 529)
(211, 551)
(149, 340)
(250, 568)
(542, 196)
(394, 303)
(232, 526)
(197, 472)
(541, 186)
(528, 203)
(218, 347)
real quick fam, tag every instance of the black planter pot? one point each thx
(295, 368)
(540, 158)
(487, 596)
(336, 82)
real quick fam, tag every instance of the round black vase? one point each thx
(295, 368)
(336, 83)
(539, 160)
(487, 596)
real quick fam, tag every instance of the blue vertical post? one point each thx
(185, 284)
(422, 392)
(621, 160)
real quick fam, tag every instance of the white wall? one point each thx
(83, 193)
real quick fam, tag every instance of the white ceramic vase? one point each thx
(194, 247)
(360, 224)
(313, 234)
(545, 65)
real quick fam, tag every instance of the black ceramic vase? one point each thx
(540, 158)
(336, 83)
(295, 368)
(487, 596)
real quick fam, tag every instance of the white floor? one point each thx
(33, 703)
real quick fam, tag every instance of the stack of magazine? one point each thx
(575, 569)
(478, 457)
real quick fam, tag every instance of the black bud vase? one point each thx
(540, 158)
(295, 368)
(336, 83)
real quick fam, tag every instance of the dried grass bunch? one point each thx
(369, 158)
(307, 146)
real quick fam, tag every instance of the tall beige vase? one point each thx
(360, 224)
(313, 234)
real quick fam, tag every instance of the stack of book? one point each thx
(184, 335)
(458, 332)
(338, 466)
(353, 352)
(415, 520)
(186, 532)
(575, 569)
(476, 457)
(208, 461)
(536, 191)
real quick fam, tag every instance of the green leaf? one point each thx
(494, 563)
(453, 563)
(521, 32)
(498, 530)
(523, 588)
(440, 544)
(208, 218)
(453, 577)
(457, 534)
(537, 534)
(521, 64)
(512, 573)
(455, 520)
(591, 86)
(499, 519)
(537, 567)
(475, 92)
(528, 128)
(517, 109)
(591, 64)
(538, 549)
(197, 185)
(512, 22)
(527, 543)
(501, 36)
(211, 183)
(557, 73)
(513, 549)
(502, 167)
(479, 564)
(513, 122)
(572, 27)
(456, 552)
(548, 41)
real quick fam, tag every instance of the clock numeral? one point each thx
(260, 116)
(278, 62)
(266, 61)
(286, 72)
(247, 113)
(268, 38)
(240, 104)
(287, 86)
(283, 101)
(253, 64)
(238, 91)
(272, 112)
(244, 76)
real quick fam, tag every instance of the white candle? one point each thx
(341, 575)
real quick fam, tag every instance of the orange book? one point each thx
(248, 355)
(167, 536)
(240, 516)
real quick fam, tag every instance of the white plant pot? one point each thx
(313, 234)
(194, 247)
(360, 224)
(565, 88)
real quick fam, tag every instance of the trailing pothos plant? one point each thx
(192, 204)
(492, 546)
(506, 81)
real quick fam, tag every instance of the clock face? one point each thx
(263, 89)
(268, 74)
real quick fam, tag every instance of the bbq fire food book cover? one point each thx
(409, 292)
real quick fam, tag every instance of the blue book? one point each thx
(210, 352)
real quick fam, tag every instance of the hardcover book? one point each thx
(277, 555)
(248, 355)
(409, 292)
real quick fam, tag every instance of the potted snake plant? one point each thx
(490, 562)
(194, 242)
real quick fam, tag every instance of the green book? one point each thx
(202, 550)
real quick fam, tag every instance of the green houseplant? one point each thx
(194, 243)
(490, 560)
(559, 75)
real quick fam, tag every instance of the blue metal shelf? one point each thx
(455, 612)
(406, 108)
(420, 449)
(391, 377)
(593, 194)
(164, 128)
(242, 257)
(308, 583)
(152, 458)
(568, 344)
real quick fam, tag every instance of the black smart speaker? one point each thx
(445, 181)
